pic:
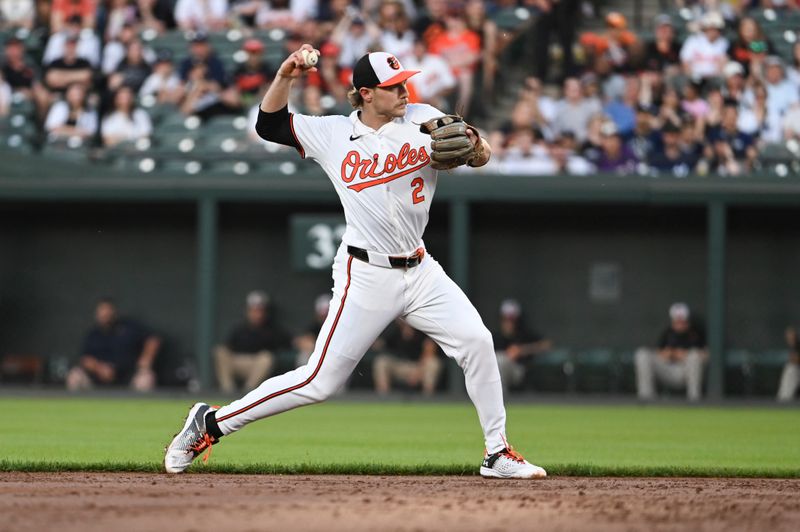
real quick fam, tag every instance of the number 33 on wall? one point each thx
(416, 193)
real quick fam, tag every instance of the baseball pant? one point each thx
(387, 367)
(366, 299)
(790, 381)
(252, 368)
(686, 374)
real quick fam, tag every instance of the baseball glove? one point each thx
(450, 144)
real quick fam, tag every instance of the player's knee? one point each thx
(321, 391)
(479, 341)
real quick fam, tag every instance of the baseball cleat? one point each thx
(190, 441)
(508, 463)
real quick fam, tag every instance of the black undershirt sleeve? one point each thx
(276, 127)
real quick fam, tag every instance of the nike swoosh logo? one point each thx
(355, 137)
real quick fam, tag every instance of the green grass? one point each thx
(77, 434)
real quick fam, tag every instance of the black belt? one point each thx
(395, 262)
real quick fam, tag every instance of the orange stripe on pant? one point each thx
(319, 364)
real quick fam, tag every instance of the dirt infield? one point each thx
(107, 501)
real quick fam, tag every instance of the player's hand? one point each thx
(295, 65)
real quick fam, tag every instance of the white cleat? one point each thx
(508, 463)
(192, 440)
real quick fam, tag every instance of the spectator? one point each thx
(617, 48)
(704, 54)
(304, 342)
(435, 80)
(72, 116)
(693, 104)
(672, 158)
(116, 352)
(120, 14)
(751, 46)
(574, 111)
(62, 11)
(69, 69)
(730, 150)
(132, 71)
(753, 109)
(395, 33)
(352, 38)
(21, 77)
(17, 14)
(5, 97)
(207, 91)
(252, 77)
(643, 139)
(734, 86)
(163, 84)
(114, 51)
(461, 48)
(527, 154)
(406, 355)
(566, 159)
(249, 352)
(201, 15)
(86, 41)
(616, 156)
(559, 17)
(677, 362)
(670, 109)
(515, 345)
(790, 377)
(125, 122)
(781, 95)
(623, 110)
(663, 52)
(485, 27)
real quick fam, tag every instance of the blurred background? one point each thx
(635, 234)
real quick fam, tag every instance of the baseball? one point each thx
(309, 58)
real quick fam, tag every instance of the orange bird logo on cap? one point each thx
(393, 62)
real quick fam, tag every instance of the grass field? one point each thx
(408, 438)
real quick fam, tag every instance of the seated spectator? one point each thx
(87, 44)
(790, 377)
(201, 15)
(644, 138)
(351, 37)
(394, 31)
(461, 48)
(69, 69)
(527, 154)
(515, 345)
(663, 52)
(615, 156)
(21, 77)
(249, 352)
(671, 157)
(623, 110)
(252, 77)
(72, 116)
(753, 111)
(617, 47)
(164, 83)
(704, 54)
(304, 342)
(592, 146)
(116, 352)
(751, 46)
(114, 51)
(408, 356)
(125, 122)
(693, 103)
(678, 360)
(62, 11)
(435, 80)
(781, 95)
(133, 70)
(17, 14)
(120, 14)
(206, 84)
(734, 86)
(733, 149)
(566, 158)
(574, 111)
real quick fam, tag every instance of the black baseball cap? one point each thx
(379, 69)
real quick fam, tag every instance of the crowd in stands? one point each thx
(701, 90)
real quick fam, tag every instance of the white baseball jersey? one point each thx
(383, 177)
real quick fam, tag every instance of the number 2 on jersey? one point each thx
(416, 194)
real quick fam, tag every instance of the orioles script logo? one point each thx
(371, 173)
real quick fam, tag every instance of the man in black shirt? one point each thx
(408, 356)
(69, 69)
(678, 361)
(248, 354)
(116, 351)
(21, 76)
(514, 345)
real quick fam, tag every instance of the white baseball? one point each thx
(309, 58)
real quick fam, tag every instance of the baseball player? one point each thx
(383, 160)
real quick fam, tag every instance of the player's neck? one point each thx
(370, 118)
